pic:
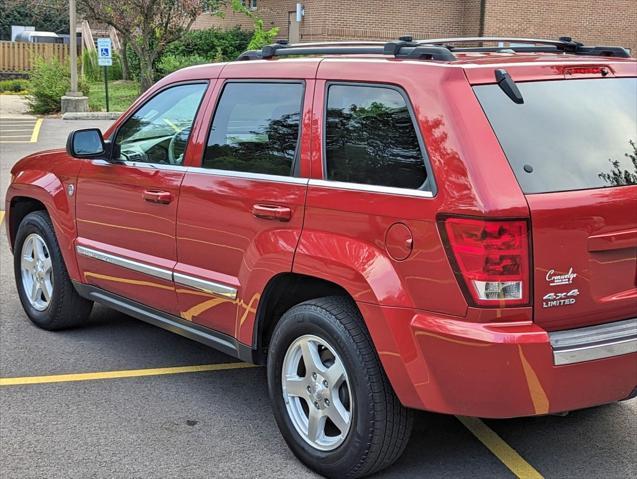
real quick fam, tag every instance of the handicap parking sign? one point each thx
(104, 58)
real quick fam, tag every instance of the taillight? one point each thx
(491, 258)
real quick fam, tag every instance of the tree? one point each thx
(44, 15)
(148, 26)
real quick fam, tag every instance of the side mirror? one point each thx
(87, 143)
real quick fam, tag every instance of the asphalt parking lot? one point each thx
(120, 398)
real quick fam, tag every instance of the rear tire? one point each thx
(44, 287)
(379, 426)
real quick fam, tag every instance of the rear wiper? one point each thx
(508, 86)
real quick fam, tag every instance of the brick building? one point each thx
(610, 22)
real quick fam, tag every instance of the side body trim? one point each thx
(594, 342)
(125, 263)
(165, 274)
(204, 285)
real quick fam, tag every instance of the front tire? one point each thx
(44, 287)
(331, 398)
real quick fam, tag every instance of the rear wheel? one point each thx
(44, 287)
(331, 398)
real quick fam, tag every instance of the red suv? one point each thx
(388, 226)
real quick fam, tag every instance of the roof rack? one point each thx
(539, 45)
(441, 49)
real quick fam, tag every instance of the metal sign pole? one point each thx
(106, 85)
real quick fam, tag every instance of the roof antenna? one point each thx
(508, 86)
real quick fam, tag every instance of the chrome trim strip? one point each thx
(390, 190)
(594, 342)
(249, 176)
(205, 285)
(154, 271)
(179, 278)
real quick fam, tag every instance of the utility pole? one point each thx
(74, 100)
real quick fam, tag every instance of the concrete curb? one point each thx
(92, 115)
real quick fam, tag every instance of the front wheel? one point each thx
(45, 289)
(331, 398)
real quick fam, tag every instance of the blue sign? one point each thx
(104, 52)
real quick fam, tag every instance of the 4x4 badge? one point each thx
(551, 300)
(560, 279)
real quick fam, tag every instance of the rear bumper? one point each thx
(594, 342)
(497, 371)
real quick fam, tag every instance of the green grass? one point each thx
(120, 95)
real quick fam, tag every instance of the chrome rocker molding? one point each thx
(594, 342)
(161, 273)
(222, 342)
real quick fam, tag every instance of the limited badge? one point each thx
(552, 300)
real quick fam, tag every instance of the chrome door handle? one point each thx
(272, 212)
(161, 197)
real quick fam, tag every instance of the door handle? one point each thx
(271, 212)
(162, 197)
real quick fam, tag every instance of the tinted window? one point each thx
(370, 138)
(256, 128)
(572, 134)
(158, 132)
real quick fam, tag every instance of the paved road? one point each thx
(219, 423)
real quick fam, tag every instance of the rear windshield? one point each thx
(568, 134)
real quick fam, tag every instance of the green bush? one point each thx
(14, 86)
(93, 72)
(49, 81)
(171, 63)
(211, 45)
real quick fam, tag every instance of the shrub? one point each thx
(213, 44)
(14, 86)
(49, 81)
(171, 63)
(93, 72)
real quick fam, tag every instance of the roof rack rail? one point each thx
(402, 48)
(563, 44)
(441, 49)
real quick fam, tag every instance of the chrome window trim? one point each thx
(205, 285)
(154, 271)
(141, 164)
(161, 273)
(388, 190)
(594, 342)
(249, 176)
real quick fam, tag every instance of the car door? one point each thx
(241, 212)
(127, 207)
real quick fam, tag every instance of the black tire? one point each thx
(381, 425)
(66, 307)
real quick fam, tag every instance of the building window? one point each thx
(256, 128)
(251, 4)
(370, 138)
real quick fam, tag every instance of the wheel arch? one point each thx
(281, 293)
(44, 191)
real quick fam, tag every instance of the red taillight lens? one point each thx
(492, 258)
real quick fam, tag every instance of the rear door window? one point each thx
(370, 138)
(256, 128)
(568, 134)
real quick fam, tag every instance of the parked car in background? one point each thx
(386, 226)
(31, 36)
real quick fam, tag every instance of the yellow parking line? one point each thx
(505, 453)
(1, 217)
(130, 373)
(36, 130)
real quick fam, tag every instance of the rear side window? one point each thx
(370, 138)
(568, 134)
(256, 128)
